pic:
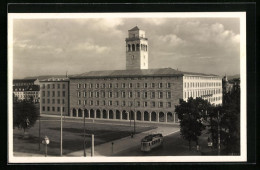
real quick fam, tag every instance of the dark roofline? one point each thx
(165, 72)
(25, 79)
(134, 29)
(128, 76)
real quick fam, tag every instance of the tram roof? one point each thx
(150, 137)
(165, 72)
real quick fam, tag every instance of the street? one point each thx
(173, 145)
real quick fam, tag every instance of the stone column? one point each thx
(128, 113)
(107, 114)
(95, 114)
(142, 116)
(165, 118)
(150, 117)
(71, 112)
(158, 117)
(88, 115)
(173, 117)
(83, 113)
(120, 114)
(114, 114)
(77, 112)
(134, 115)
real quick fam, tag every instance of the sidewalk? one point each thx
(124, 143)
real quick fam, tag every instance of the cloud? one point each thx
(87, 46)
(80, 45)
(171, 39)
(155, 21)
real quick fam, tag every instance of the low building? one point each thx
(28, 93)
(26, 89)
(25, 82)
(54, 96)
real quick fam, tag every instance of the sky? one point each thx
(54, 46)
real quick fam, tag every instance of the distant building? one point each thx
(25, 82)
(54, 96)
(227, 87)
(26, 89)
(138, 92)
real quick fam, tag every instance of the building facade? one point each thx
(139, 93)
(208, 87)
(54, 96)
(144, 95)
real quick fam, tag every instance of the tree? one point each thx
(228, 120)
(191, 115)
(231, 120)
(25, 115)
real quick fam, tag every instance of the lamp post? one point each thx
(40, 133)
(112, 144)
(61, 130)
(218, 135)
(132, 104)
(84, 145)
(46, 141)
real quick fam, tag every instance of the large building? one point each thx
(138, 92)
(54, 96)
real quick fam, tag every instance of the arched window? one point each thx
(129, 47)
(133, 47)
(137, 47)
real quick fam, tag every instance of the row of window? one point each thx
(53, 94)
(136, 47)
(123, 103)
(199, 84)
(123, 85)
(53, 101)
(53, 86)
(53, 109)
(122, 94)
(200, 78)
(200, 93)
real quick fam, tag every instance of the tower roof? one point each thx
(134, 29)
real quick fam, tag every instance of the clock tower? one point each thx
(136, 49)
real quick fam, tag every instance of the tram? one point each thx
(151, 141)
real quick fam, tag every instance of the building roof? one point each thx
(27, 88)
(136, 73)
(54, 79)
(30, 80)
(134, 29)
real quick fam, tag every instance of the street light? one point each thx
(46, 141)
(84, 145)
(39, 132)
(130, 112)
(61, 130)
